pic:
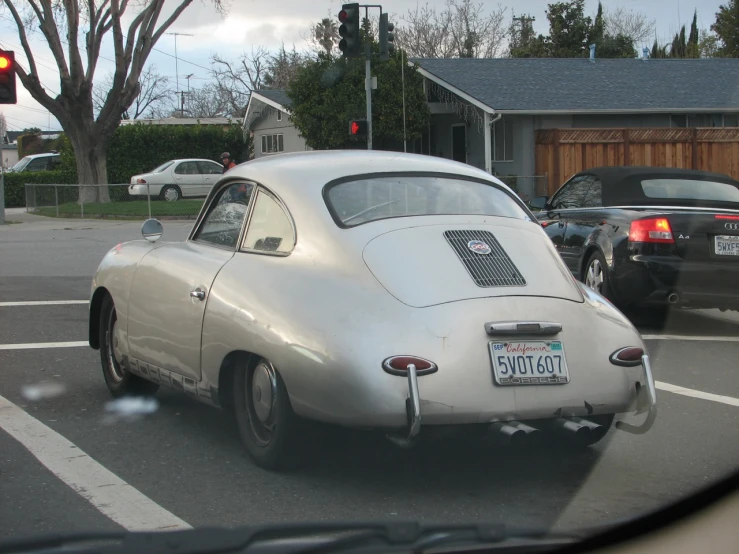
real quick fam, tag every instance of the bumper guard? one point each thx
(651, 403)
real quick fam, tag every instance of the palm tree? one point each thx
(327, 34)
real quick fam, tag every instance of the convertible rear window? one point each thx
(371, 199)
(690, 189)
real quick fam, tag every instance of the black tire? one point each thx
(120, 381)
(596, 275)
(269, 433)
(170, 193)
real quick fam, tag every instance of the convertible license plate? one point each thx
(726, 245)
(529, 363)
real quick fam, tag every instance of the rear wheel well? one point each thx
(96, 305)
(225, 376)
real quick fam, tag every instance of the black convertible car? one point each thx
(649, 235)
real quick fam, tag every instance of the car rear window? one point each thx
(690, 189)
(162, 167)
(370, 199)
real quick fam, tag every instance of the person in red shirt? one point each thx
(227, 162)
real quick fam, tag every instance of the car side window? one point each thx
(210, 168)
(583, 191)
(38, 164)
(270, 229)
(187, 168)
(222, 224)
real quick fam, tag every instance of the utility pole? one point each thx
(177, 67)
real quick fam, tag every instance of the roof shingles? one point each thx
(536, 84)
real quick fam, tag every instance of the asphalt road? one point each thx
(187, 461)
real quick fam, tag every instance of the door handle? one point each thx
(197, 293)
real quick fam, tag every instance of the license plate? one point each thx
(726, 245)
(529, 363)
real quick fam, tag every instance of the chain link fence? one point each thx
(127, 201)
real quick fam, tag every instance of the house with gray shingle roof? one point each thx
(267, 118)
(486, 112)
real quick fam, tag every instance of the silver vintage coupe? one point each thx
(396, 292)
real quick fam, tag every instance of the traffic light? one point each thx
(7, 78)
(358, 128)
(351, 41)
(387, 38)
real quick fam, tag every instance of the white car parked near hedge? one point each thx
(177, 178)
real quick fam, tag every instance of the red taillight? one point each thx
(398, 365)
(731, 217)
(654, 229)
(141, 181)
(629, 356)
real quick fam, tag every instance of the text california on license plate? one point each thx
(726, 245)
(529, 363)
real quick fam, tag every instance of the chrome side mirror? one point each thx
(152, 229)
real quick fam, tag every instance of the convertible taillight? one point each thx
(724, 216)
(653, 229)
(628, 356)
(398, 365)
(141, 181)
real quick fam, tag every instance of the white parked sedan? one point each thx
(177, 178)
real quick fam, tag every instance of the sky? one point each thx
(270, 23)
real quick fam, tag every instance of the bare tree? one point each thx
(132, 27)
(236, 79)
(630, 23)
(3, 128)
(155, 92)
(462, 29)
(207, 101)
(282, 68)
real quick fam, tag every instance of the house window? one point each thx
(272, 144)
(678, 120)
(279, 115)
(731, 120)
(503, 140)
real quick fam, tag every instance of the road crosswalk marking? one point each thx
(676, 389)
(107, 492)
(37, 345)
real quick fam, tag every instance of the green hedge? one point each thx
(15, 195)
(140, 148)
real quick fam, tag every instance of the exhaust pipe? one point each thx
(515, 431)
(673, 298)
(574, 429)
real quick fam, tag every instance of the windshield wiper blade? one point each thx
(307, 538)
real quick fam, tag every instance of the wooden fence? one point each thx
(560, 153)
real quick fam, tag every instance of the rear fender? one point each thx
(598, 241)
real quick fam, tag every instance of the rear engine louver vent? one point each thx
(488, 264)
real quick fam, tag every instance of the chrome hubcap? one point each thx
(594, 278)
(113, 348)
(262, 399)
(170, 195)
(262, 393)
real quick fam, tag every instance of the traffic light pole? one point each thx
(368, 90)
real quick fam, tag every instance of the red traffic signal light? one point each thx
(358, 128)
(7, 78)
(351, 42)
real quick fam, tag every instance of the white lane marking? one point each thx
(43, 303)
(35, 345)
(107, 492)
(696, 393)
(691, 337)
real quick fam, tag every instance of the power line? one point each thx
(22, 120)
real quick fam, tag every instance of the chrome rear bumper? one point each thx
(646, 402)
